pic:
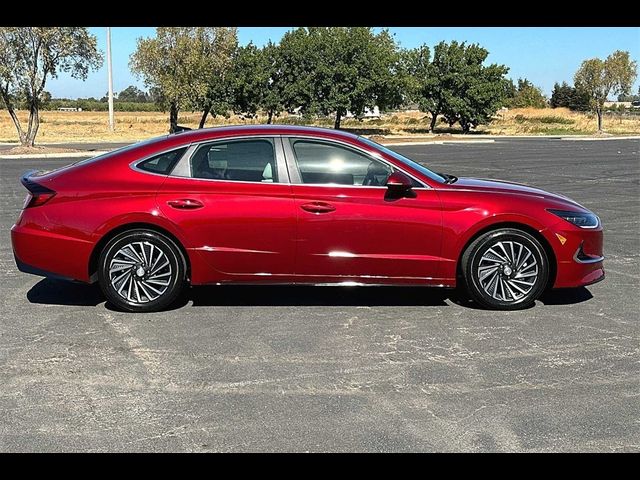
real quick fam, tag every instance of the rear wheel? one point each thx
(141, 271)
(505, 269)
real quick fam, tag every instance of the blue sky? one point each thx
(542, 54)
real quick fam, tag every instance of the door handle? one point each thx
(185, 204)
(318, 207)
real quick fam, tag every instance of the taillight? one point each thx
(37, 199)
(38, 194)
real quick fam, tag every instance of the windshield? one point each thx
(407, 161)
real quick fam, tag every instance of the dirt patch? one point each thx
(37, 150)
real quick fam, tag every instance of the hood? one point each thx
(498, 186)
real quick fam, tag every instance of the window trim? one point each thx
(183, 167)
(296, 177)
(134, 165)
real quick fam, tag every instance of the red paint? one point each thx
(280, 232)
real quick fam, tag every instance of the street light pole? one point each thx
(111, 121)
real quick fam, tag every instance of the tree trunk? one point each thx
(12, 113)
(34, 125)
(336, 125)
(173, 117)
(599, 114)
(434, 119)
(270, 117)
(204, 117)
(21, 135)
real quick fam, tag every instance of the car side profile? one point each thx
(295, 205)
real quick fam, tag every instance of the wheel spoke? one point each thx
(511, 283)
(144, 290)
(157, 269)
(493, 252)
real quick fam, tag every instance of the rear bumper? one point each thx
(45, 253)
(25, 268)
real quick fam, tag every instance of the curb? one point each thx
(596, 139)
(438, 142)
(55, 155)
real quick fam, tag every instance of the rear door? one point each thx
(233, 201)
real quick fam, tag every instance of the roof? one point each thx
(206, 133)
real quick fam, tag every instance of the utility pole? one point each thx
(111, 122)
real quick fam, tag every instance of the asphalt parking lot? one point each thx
(339, 369)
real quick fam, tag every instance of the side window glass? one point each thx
(322, 163)
(240, 161)
(163, 163)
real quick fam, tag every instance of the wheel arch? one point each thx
(95, 254)
(553, 264)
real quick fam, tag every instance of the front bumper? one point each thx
(579, 255)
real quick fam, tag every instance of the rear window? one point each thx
(163, 163)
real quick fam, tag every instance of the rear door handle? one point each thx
(185, 204)
(318, 207)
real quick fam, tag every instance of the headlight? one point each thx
(579, 219)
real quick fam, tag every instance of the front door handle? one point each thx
(318, 207)
(185, 204)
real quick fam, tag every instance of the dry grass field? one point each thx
(92, 126)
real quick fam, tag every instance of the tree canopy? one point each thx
(336, 70)
(29, 56)
(600, 78)
(526, 94)
(182, 64)
(456, 83)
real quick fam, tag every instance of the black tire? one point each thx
(481, 278)
(150, 242)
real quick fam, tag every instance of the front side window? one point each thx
(163, 163)
(240, 161)
(322, 163)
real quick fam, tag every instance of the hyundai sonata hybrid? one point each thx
(295, 205)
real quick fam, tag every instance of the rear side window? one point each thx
(240, 161)
(163, 163)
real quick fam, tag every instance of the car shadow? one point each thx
(58, 292)
(302, 295)
(566, 296)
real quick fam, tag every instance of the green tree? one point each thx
(336, 70)
(256, 81)
(132, 94)
(569, 97)
(29, 56)
(561, 95)
(221, 44)
(600, 78)
(527, 95)
(456, 83)
(178, 65)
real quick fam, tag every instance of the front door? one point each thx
(236, 209)
(350, 228)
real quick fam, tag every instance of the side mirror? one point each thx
(398, 182)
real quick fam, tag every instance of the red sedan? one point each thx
(279, 204)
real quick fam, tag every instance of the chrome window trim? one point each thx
(134, 165)
(183, 167)
(294, 171)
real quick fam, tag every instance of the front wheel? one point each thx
(505, 269)
(141, 271)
